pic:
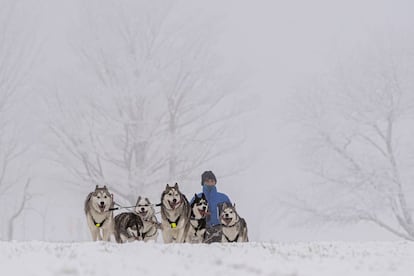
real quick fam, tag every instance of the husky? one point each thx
(197, 227)
(175, 214)
(234, 228)
(98, 213)
(128, 227)
(146, 212)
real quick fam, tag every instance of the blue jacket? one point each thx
(215, 199)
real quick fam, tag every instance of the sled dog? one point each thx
(146, 212)
(99, 217)
(128, 227)
(234, 228)
(175, 214)
(197, 227)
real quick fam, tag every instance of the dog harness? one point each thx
(235, 239)
(99, 225)
(144, 235)
(173, 224)
(201, 225)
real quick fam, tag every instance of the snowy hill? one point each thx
(319, 259)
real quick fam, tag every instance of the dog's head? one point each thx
(228, 215)
(100, 199)
(199, 206)
(171, 198)
(133, 232)
(144, 208)
(134, 225)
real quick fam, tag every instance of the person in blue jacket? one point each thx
(215, 200)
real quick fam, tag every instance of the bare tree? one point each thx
(359, 149)
(157, 110)
(16, 59)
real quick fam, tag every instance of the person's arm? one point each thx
(227, 199)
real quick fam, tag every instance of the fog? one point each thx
(277, 95)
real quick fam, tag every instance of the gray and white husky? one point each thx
(99, 217)
(234, 228)
(146, 212)
(128, 227)
(197, 227)
(175, 214)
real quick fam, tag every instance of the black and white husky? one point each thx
(234, 228)
(175, 214)
(128, 227)
(146, 211)
(99, 217)
(197, 227)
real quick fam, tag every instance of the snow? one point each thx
(313, 258)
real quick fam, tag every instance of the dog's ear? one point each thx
(221, 208)
(105, 188)
(195, 196)
(138, 200)
(167, 187)
(234, 205)
(147, 200)
(88, 198)
(203, 196)
(96, 187)
(176, 185)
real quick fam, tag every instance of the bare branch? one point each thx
(354, 127)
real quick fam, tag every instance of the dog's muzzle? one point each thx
(102, 207)
(203, 212)
(174, 204)
(143, 213)
(227, 220)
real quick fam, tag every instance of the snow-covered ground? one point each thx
(319, 259)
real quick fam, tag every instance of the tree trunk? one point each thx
(19, 211)
(172, 160)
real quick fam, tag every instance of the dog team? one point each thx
(208, 217)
